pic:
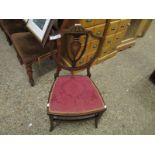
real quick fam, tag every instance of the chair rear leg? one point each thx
(51, 122)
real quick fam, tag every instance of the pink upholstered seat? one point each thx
(72, 95)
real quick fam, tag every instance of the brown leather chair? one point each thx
(29, 50)
(10, 26)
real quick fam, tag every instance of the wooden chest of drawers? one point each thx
(115, 34)
(114, 39)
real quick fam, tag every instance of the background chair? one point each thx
(29, 51)
(74, 96)
(11, 26)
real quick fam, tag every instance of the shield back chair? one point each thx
(74, 97)
(11, 26)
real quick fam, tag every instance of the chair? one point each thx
(29, 51)
(10, 26)
(74, 97)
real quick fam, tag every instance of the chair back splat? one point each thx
(72, 45)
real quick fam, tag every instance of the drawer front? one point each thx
(102, 52)
(105, 51)
(119, 37)
(82, 39)
(87, 22)
(123, 24)
(90, 56)
(93, 46)
(109, 40)
(86, 59)
(99, 21)
(112, 20)
(82, 61)
(113, 27)
(91, 22)
(96, 30)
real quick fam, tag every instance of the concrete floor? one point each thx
(122, 80)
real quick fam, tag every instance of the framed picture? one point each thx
(40, 28)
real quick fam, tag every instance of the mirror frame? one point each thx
(41, 35)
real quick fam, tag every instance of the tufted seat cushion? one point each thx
(28, 47)
(71, 95)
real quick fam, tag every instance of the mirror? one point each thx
(40, 23)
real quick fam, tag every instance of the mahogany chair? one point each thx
(29, 50)
(74, 97)
(11, 26)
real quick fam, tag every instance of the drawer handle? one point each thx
(94, 46)
(117, 38)
(89, 20)
(113, 28)
(122, 26)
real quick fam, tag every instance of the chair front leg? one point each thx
(29, 73)
(51, 122)
(8, 39)
(20, 59)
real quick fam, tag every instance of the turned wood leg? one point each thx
(51, 122)
(9, 41)
(20, 59)
(29, 73)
